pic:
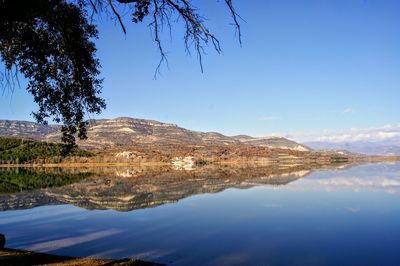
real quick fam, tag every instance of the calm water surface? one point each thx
(342, 216)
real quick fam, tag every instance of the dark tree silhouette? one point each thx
(50, 42)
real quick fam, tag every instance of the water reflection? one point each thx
(125, 189)
(22, 179)
(384, 177)
(277, 215)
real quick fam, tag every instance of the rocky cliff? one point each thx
(25, 129)
(125, 132)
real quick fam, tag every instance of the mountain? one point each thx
(125, 131)
(272, 142)
(25, 129)
(364, 147)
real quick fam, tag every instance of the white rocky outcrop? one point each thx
(125, 155)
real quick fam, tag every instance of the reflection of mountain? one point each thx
(146, 189)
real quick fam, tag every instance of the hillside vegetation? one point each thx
(14, 150)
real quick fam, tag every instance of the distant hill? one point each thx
(25, 129)
(363, 147)
(384, 140)
(125, 131)
(274, 142)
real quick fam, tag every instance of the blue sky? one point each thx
(304, 66)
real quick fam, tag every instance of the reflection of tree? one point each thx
(17, 180)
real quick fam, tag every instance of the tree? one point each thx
(50, 42)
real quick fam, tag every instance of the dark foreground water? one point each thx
(342, 216)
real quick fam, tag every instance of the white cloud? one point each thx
(384, 133)
(381, 134)
(348, 110)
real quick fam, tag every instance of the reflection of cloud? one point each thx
(356, 184)
(390, 183)
(352, 209)
(360, 183)
(71, 241)
(152, 254)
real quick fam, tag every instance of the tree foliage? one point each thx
(51, 43)
(13, 150)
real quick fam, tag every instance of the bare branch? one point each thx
(235, 17)
(196, 35)
(155, 25)
(117, 15)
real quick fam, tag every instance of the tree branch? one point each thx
(117, 15)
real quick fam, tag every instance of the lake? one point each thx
(276, 215)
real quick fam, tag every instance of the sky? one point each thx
(304, 67)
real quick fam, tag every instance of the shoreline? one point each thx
(75, 165)
(366, 159)
(10, 256)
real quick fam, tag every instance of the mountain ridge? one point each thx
(126, 131)
(362, 147)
